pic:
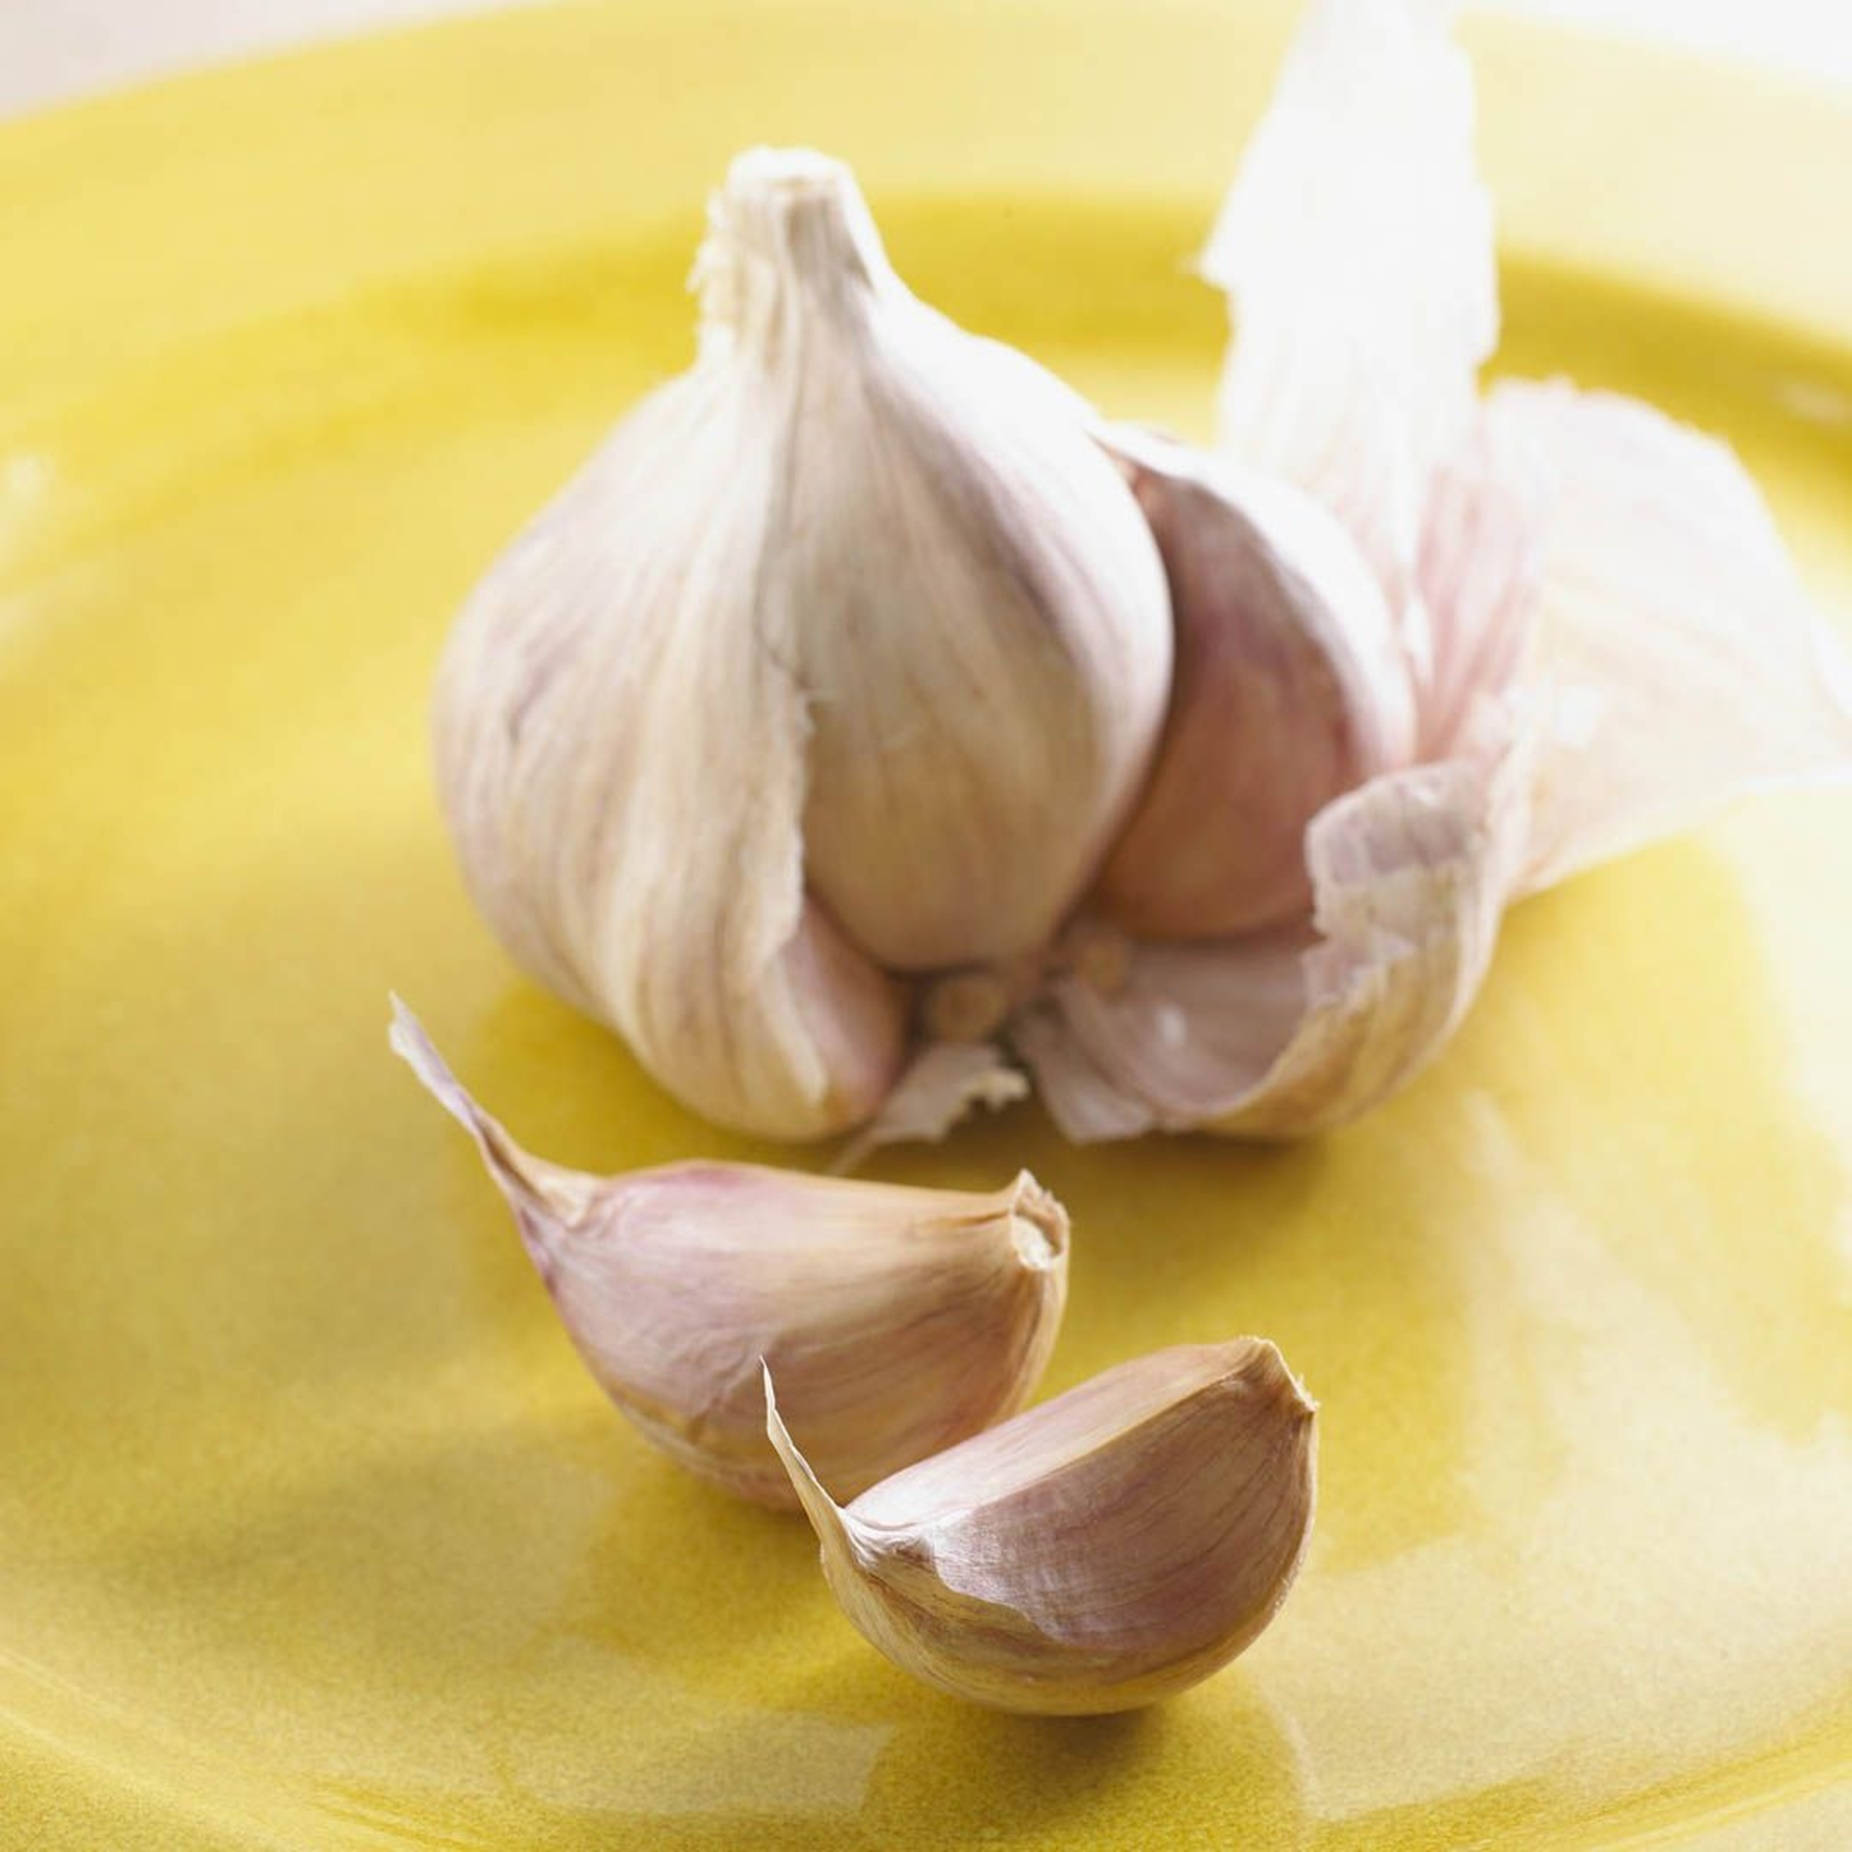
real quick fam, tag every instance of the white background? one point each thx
(54, 49)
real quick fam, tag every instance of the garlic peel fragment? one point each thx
(1105, 1549)
(1479, 576)
(901, 1320)
(944, 1083)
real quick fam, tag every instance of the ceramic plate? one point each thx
(313, 1532)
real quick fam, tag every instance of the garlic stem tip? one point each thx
(407, 1039)
(1040, 1225)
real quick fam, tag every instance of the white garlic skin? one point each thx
(1290, 689)
(900, 1320)
(1104, 1550)
(844, 657)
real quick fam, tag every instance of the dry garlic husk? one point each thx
(1673, 651)
(1577, 554)
(1361, 325)
(1290, 688)
(844, 656)
(899, 1320)
(1106, 1549)
(1605, 634)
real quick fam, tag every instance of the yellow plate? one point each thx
(312, 1531)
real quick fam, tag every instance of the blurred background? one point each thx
(52, 50)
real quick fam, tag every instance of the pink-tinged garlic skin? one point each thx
(1289, 689)
(904, 1320)
(1106, 1549)
(901, 1320)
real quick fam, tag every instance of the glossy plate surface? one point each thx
(312, 1531)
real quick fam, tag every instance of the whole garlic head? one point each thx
(1104, 1550)
(900, 1320)
(845, 656)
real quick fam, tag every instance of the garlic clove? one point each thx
(1286, 1033)
(598, 727)
(900, 1320)
(849, 1019)
(1106, 1549)
(1602, 630)
(942, 1085)
(1289, 689)
(1676, 651)
(1356, 249)
(976, 611)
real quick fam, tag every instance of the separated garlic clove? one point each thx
(1290, 688)
(900, 1320)
(1106, 1549)
(850, 630)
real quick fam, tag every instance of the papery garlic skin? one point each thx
(1290, 688)
(1360, 324)
(1102, 1551)
(1676, 653)
(900, 1320)
(849, 631)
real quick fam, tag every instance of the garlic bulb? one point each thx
(1106, 1549)
(899, 1320)
(1290, 689)
(844, 656)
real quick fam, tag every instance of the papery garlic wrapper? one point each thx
(1356, 249)
(1603, 632)
(899, 1320)
(843, 658)
(1106, 1549)
(1674, 645)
